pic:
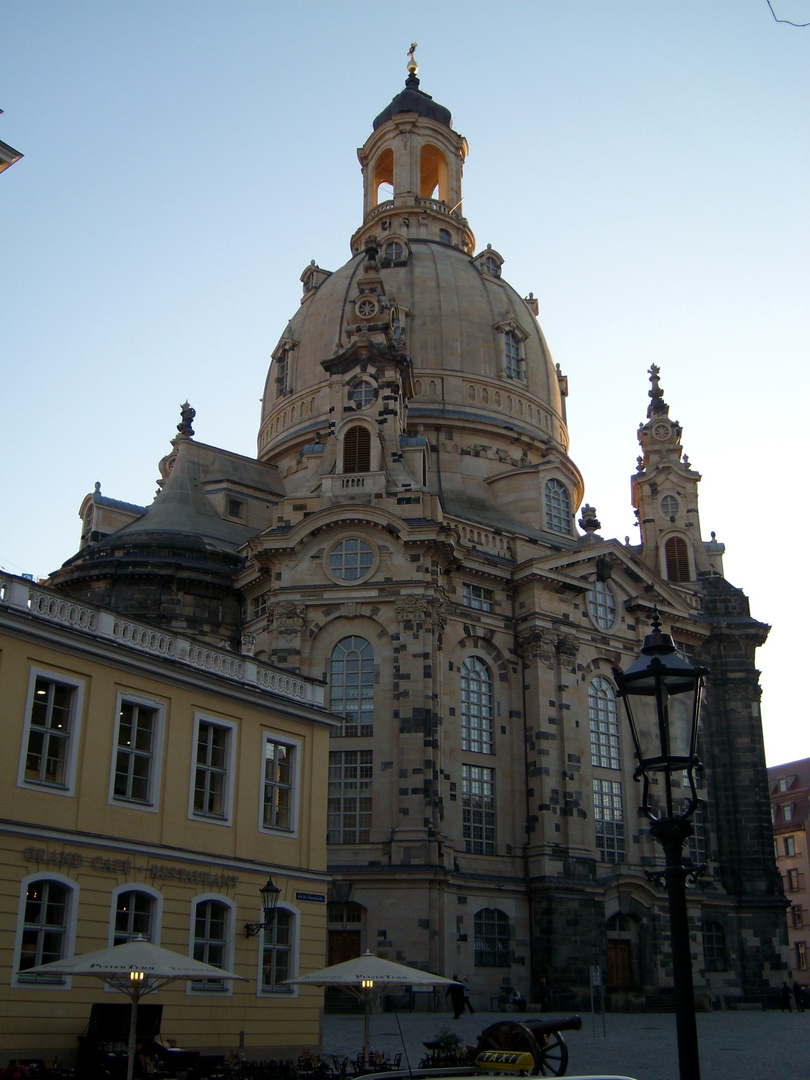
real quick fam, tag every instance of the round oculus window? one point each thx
(366, 307)
(351, 560)
(602, 605)
(362, 394)
(669, 506)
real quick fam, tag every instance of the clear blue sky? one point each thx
(641, 166)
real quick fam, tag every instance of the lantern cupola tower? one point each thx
(412, 166)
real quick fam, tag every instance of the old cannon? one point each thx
(541, 1039)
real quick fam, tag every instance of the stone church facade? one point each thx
(412, 533)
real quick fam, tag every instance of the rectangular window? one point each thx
(478, 809)
(278, 786)
(801, 955)
(277, 954)
(235, 508)
(258, 606)
(697, 841)
(51, 732)
(137, 753)
(787, 811)
(212, 783)
(797, 913)
(210, 945)
(477, 597)
(793, 880)
(609, 820)
(349, 797)
(790, 846)
(511, 348)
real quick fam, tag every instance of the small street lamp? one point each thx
(269, 893)
(661, 693)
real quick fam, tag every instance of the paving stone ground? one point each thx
(745, 1045)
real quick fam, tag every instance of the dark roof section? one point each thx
(412, 99)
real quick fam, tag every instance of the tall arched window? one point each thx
(357, 450)
(384, 177)
(134, 916)
(604, 721)
(351, 685)
(491, 938)
(558, 507)
(46, 919)
(476, 706)
(677, 557)
(432, 173)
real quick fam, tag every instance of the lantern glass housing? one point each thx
(661, 693)
(269, 893)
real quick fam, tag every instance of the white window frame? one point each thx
(150, 804)
(199, 989)
(226, 818)
(294, 746)
(77, 685)
(295, 941)
(72, 889)
(157, 909)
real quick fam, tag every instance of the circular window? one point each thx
(393, 251)
(351, 560)
(366, 307)
(362, 394)
(602, 605)
(669, 506)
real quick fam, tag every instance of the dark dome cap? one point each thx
(412, 99)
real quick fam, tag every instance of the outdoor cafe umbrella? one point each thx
(366, 977)
(136, 968)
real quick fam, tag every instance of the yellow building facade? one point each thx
(150, 785)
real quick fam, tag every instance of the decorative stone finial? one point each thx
(187, 414)
(589, 522)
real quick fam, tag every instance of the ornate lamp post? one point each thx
(661, 693)
(269, 893)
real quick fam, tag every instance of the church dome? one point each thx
(460, 318)
(478, 359)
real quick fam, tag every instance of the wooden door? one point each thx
(619, 964)
(343, 945)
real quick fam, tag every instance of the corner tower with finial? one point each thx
(664, 492)
(412, 167)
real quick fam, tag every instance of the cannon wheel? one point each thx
(548, 1050)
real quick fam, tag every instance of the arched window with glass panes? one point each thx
(351, 685)
(558, 507)
(604, 722)
(476, 706)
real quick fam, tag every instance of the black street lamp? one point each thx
(269, 893)
(661, 693)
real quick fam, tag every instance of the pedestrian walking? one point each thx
(466, 988)
(785, 997)
(798, 995)
(455, 991)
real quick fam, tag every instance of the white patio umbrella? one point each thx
(366, 977)
(136, 968)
